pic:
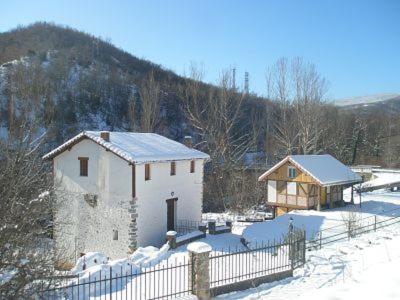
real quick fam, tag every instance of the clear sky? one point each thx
(355, 44)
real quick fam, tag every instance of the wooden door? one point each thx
(171, 207)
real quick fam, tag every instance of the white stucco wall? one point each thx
(82, 228)
(152, 196)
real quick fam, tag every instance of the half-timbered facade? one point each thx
(307, 182)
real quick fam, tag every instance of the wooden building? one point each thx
(307, 182)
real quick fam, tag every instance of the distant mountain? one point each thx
(370, 100)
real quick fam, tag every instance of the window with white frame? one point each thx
(291, 188)
(291, 172)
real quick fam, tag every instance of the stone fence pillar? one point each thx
(171, 239)
(199, 277)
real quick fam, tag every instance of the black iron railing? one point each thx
(232, 266)
(349, 229)
(166, 281)
(186, 226)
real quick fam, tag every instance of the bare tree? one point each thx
(310, 89)
(150, 96)
(26, 210)
(132, 115)
(215, 115)
(284, 122)
(352, 221)
(299, 91)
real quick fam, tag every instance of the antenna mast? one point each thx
(246, 82)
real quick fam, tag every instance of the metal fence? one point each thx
(165, 281)
(187, 226)
(175, 279)
(258, 261)
(226, 268)
(349, 229)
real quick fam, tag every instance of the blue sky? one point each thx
(355, 44)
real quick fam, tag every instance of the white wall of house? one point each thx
(81, 228)
(152, 196)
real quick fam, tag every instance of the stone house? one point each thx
(307, 182)
(117, 191)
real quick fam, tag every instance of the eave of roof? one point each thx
(108, 146)
(288, 158)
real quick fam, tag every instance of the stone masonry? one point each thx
(199, 279)
(133, 225)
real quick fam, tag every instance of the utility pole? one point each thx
(246, 82)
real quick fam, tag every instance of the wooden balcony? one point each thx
(294, 201)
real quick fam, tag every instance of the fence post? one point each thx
(349, 231)
(199, 276)
(374, 222)
(171, 238)
(320, 239)
(291, 249)
(304, 246)
(110, 283)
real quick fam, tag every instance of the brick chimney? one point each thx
(187, 141)
(105, 135)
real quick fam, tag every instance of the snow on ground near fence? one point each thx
(328, 266)
(384, 204)
(95, 262)
(364, 286)
(380, 203)
(365, 267)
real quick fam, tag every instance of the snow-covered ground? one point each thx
(382, 178)
(380, 203)
(365, 267)
(342, 266)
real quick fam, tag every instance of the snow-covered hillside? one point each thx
(366, 100)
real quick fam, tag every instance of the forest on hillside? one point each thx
(57, 82)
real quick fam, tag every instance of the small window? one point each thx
(291, 188)
(115, 235)
(173, 168)
(147, 172)
(192, 166)
(83, 166)
(291, 172)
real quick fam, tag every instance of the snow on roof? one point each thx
(382, 179)
(325, 169)
(136, 147)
